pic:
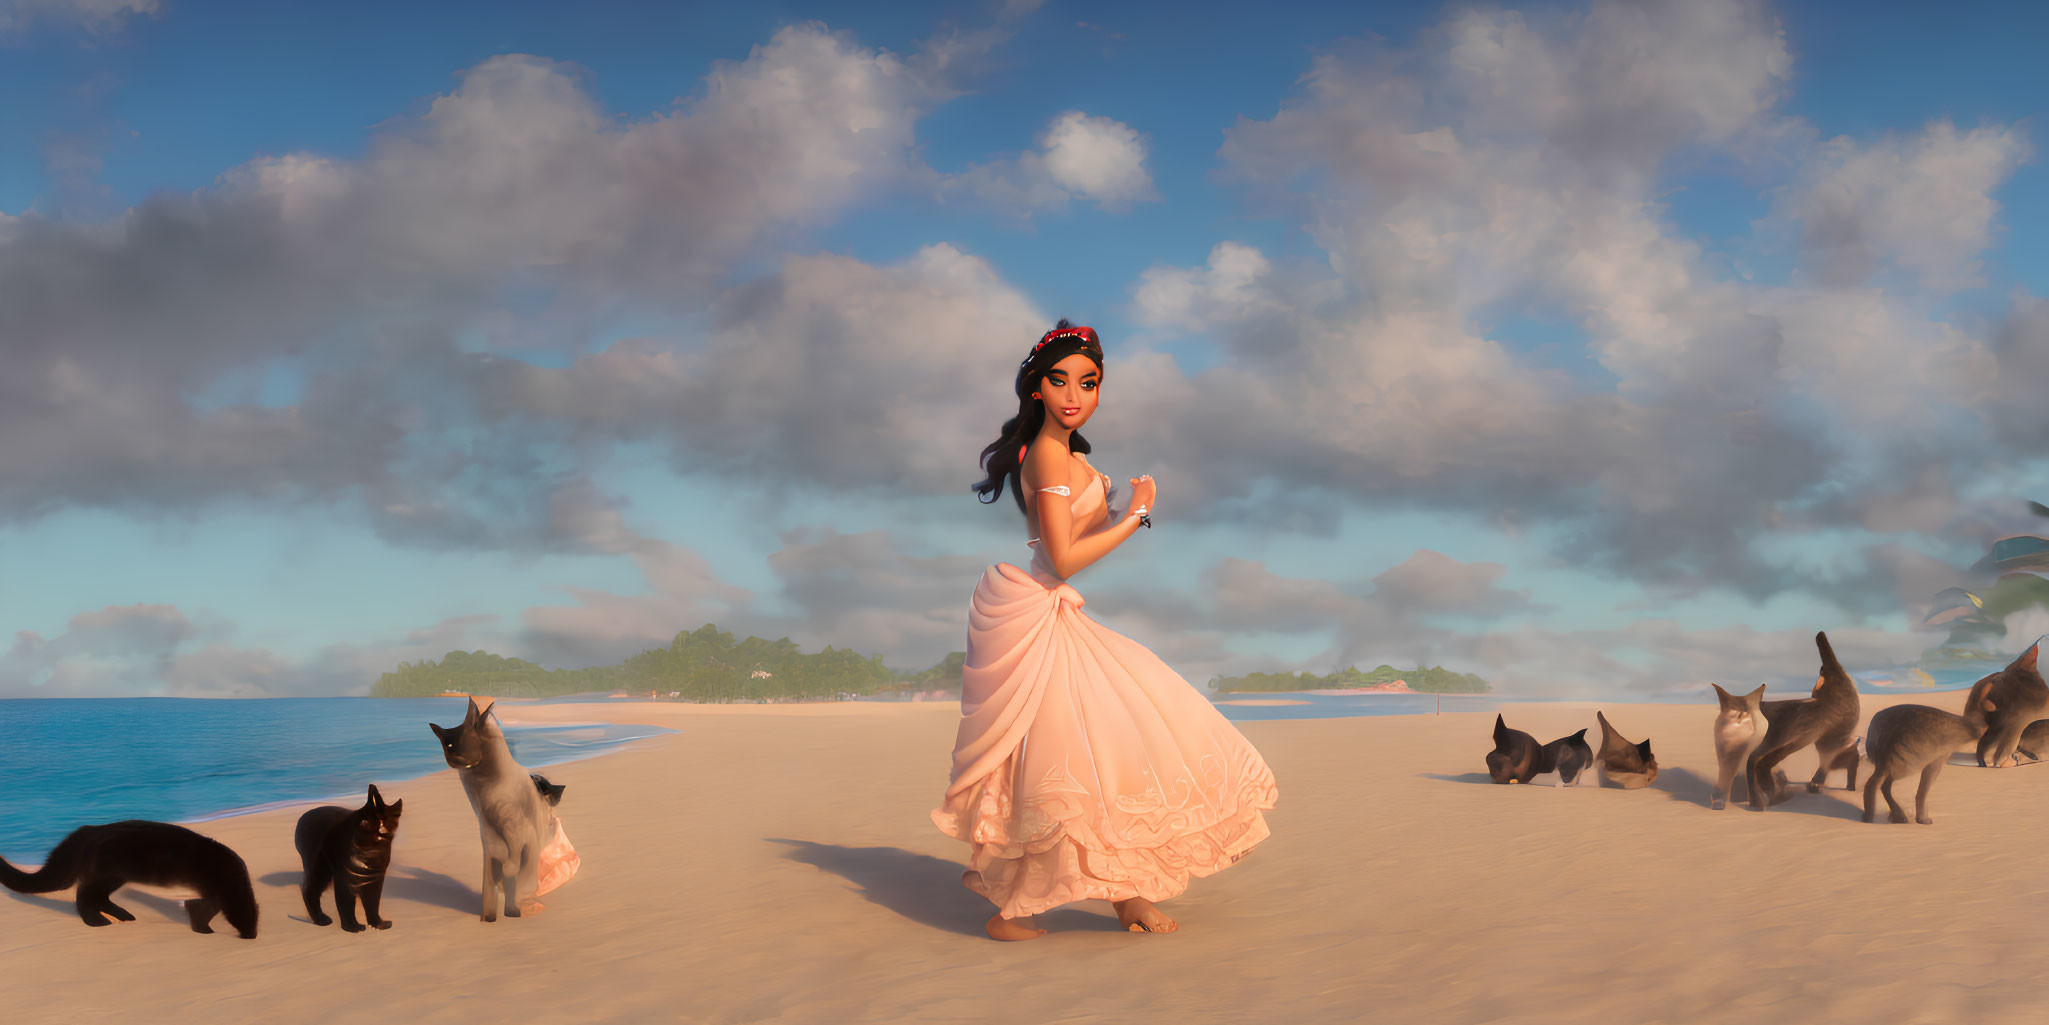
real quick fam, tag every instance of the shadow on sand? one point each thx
(135, 901)
(406, 883)
(924, 889)
(1463, 777)
(1684, 785)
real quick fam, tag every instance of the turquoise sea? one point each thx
(67, 762)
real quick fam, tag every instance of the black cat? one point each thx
(351, 848)
(102, 859)
(551, 792)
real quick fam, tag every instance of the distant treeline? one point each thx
(1427, 680)
(701, 665)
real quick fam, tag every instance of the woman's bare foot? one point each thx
(1141, 915)
(1001, 928)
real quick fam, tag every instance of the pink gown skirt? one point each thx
(1085, 767)
(558, 861)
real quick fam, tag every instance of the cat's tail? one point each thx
(58, 873)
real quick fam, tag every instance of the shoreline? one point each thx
(1382, 893)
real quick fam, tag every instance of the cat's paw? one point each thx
(382, 923)
(322, 919)
(1924, 820)
(353, 927)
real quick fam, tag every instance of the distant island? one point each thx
(1423, 680)
(705, 664)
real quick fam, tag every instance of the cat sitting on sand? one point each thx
(513, 820)
(1739, 728)
(102, 859)
(1908, 739)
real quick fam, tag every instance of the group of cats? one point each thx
(1518, 758)
(347, 848)
(2006, 714)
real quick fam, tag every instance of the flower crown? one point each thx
(1087, 334)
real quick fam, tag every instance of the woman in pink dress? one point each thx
(1084, 768)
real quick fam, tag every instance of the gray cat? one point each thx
(1906, 739)
(1827, 720)
(1739, 728)
(2022, 698)
(513, 819)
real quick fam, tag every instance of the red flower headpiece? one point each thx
(1087, 334)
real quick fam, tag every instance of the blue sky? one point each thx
(316, 402)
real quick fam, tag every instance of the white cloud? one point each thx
(1080, 156)
(1923, 204)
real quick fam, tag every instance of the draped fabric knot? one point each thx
(1065, 594)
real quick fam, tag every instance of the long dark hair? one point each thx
(1004, 456)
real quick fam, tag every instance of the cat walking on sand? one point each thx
(1084, 767)
(1827, 720)
(101, 859)
(1905, 740)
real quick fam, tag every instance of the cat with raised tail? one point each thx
(350, 848)
(1739, 728)
(101, 859)
(1517, 757)
(1907, 739)
(513, 820)
(2013, 699)
(1827, 719)
(1630, 766)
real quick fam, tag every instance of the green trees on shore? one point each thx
(1424, 680)
(702, 665)
(707, 664)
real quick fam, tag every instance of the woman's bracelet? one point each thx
(1143, 519)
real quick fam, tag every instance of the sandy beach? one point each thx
(775, 864)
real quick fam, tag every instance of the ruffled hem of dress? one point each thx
(1063, 861)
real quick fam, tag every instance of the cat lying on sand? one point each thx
(1626, 765)
(102, 859)
(1518, 758)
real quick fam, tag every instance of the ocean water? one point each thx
(68, 762)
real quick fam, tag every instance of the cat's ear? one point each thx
(1756, 695)
(1644, 750)
(394, 808)
(1721, 695)
(472, 714)
(376, 799)
(2027, 659)
(439, 731)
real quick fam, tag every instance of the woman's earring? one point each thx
(1035, 395)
